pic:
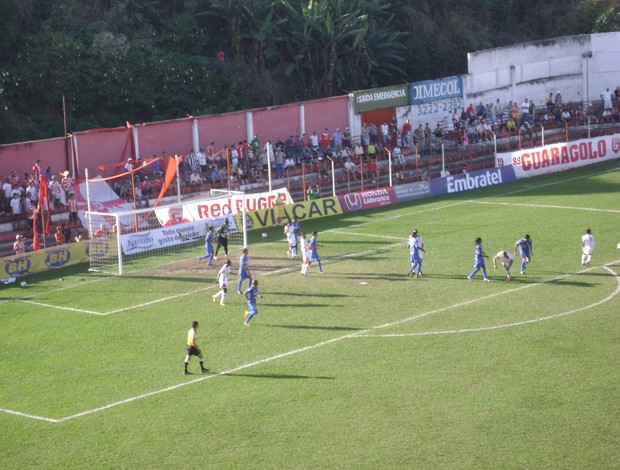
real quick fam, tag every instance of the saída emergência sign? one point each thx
(381, 98)
(470, 181)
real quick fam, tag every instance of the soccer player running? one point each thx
(587, 247)
(251, 294)
(208, 247)
(524, 246)
(193, 349)
(506, 258)
(222, 279)
(416, 247)
(479, 263)
(244, 271)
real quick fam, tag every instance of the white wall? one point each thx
(581, 67)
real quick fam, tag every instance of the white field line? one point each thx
(59, 307)
(26, 415)
(545, 206)
(505, 325)
(361, 334)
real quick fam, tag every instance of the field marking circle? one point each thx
(505, 325)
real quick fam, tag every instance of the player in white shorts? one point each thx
(587, 247)
(506, 258)
(222, 279)
(305, 254)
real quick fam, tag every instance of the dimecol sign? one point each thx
(436, 90)
(561, 156)
(380, 98)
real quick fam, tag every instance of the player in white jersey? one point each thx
(587, 247)
(291, 238)
(305, 254)
(416, 247)
(507, 259)
(222, 279)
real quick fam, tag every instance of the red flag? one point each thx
(43, 206)
(36, 243)
(171, 172)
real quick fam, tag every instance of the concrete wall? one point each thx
(581, 67)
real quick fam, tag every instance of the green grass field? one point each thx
(359, 367)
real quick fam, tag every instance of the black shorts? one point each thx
(73, 216)
(192, 351)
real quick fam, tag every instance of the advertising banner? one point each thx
(561, 156)
(362, 200)
(132, 243)
(436, 90)
(44, 260)
(381, 98)
(307, 210)
(470, 181)
(222, 207)
(412, 191)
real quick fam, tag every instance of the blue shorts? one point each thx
(525, 252)
(416, 258)
(252, 308)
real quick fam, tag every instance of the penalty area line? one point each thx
(27, 415)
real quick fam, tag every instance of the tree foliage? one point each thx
(144, 60)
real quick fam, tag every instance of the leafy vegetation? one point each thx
(145, 60)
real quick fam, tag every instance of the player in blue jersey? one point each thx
(416, 248)
(314, 254)
(251, 294)
(244, 270)
(295, 226)
(208, 247)
(479, 261)
(525, 250)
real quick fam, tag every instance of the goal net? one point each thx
(121, 242)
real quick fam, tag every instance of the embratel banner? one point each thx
(470, 181)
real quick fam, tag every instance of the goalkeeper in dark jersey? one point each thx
(222, 238)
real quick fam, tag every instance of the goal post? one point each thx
(152, 237)
(244, 215)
